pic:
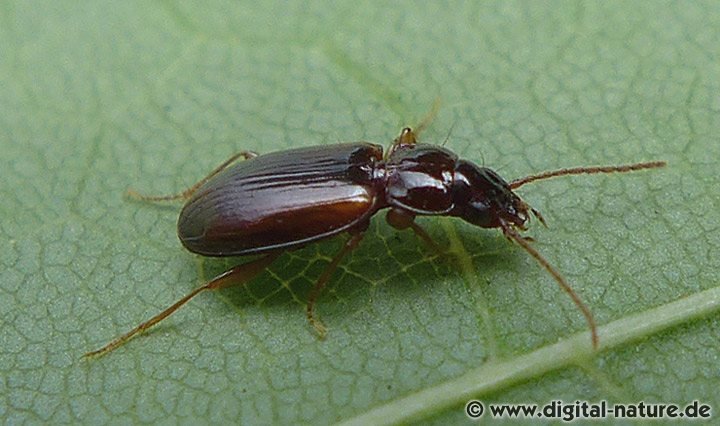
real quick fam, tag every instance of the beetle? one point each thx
(271, 203)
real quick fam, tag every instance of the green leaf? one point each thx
(101, 96)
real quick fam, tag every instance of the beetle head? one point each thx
(484, 199)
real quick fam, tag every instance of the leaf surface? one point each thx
(102, 96)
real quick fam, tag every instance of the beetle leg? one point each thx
(184, 195)
(407, 137)
(232, 277)
(323, 280)
(425, 122)
(402, 219)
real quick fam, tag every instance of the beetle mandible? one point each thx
(284, 200)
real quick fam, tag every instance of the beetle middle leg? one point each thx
(235, 276)
(184, 195)
(402, 219)
(349, 246)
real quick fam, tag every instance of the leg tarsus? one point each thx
(349, 246)
(184, 195)
(319, 327)
(235, 276)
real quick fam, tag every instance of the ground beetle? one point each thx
(284, 200)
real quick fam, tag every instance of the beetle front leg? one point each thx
(184, 195)
(232, 277)
(349, 246)
(402, 219)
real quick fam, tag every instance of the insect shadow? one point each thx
(398, 260)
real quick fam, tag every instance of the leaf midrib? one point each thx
(566, 352)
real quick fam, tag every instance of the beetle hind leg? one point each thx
(236, 276)
(349, 246)
(184, 195)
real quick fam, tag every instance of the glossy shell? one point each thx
(282, 200)
(420, 179)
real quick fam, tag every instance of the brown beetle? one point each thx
(284, 200)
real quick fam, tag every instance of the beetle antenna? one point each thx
(587, 171)
(512, 235)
